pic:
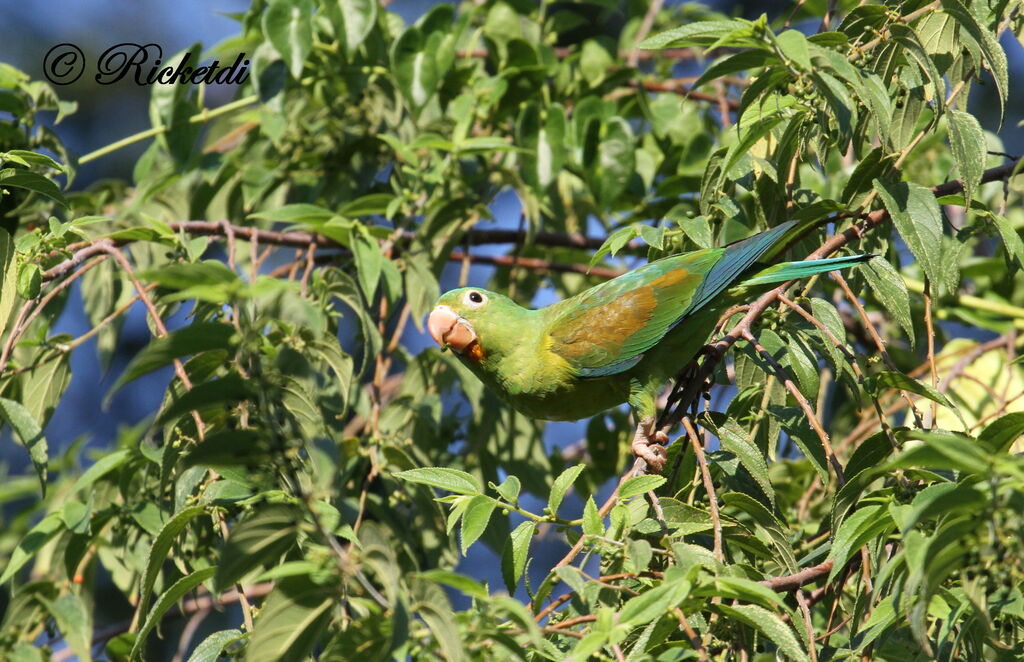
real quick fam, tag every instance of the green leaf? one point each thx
(508, 490)
(614, 165)
(263, 536)
(544, 141)
(916, 215)
(209, 280)
(187, 341)
(942, 499)
(167, 599)
(735, 439)
(595, 62)
(288, 25)
(865, 524)
(967, 141)
(30, 279)
(1011, 239)
(700, 33)
(942, 450)
(766, 520)
(891, 291)
(31, 435)
(353, 21)
(73, 622)
(291, 621)
(158, 553)
(8, 278)
(31, 181)
(592, 522)
(210, 649)
(414, 69)
(443, 478)
(1001, 433)
(465, 584)
(735, 63)
(793, 45)
(768, 624)
(26, 158)
(218, 394)
(296, 213)
(39, 535)
(639, 485)
(475, 520)
(655, 602)
(987, 43)
(740, 588)
(615, 242)
(794, 421)
(100, 468)
(561, 485)
(513, 558)
(900, 381)
(804, 364)
(369, 261)
(368, 205)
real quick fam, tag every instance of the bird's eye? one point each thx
(474, 299)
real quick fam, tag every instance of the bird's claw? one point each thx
(649, 446)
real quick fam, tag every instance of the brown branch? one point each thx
(808, 624)
(603, 579)
(691, 634)
(633, 56)
(64, 348)
(536, 264)
(569, 622)
(709, 487)
(179, 369)
(929, 327)
(685, 91)
(25, 318)
(793, 582)
(666, 53)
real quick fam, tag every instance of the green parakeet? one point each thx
(615, 342)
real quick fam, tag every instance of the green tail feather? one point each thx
(780, 273)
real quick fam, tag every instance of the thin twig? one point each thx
(877, 339)
(645, 29)
(930, 356)
(691, 634)
(793, 582)
(709, 487)
(158, 323)
(805, 610)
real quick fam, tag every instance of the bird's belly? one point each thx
(579, 398)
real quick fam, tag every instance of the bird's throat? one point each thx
(473, 352)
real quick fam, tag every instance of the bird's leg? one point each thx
(690, 372)
(648, 444)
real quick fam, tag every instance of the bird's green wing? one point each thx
(606, 329)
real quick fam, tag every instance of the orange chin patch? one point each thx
(474, 352)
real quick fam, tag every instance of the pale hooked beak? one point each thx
(448, 329)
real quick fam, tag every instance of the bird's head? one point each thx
(462, 317)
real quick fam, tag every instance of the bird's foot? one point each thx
(648, 444)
